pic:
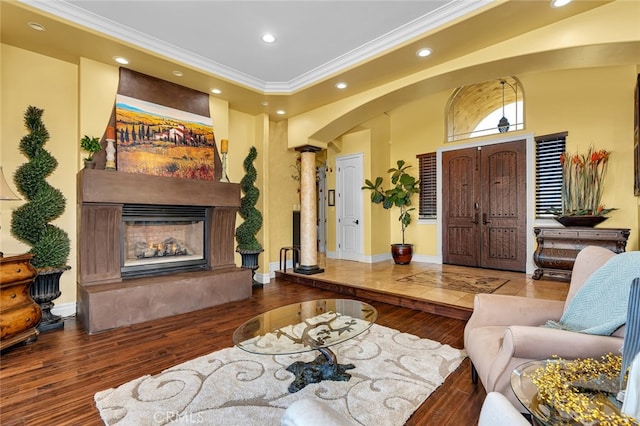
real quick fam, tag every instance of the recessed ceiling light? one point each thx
(281, 112)
(36, 26)
(559, 3)
(216, 91)
(423, 53)
(341, 85)
(121, 60)
(178, 73)
(264, 103)
(268, 38)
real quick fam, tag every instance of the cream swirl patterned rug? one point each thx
(394, 373)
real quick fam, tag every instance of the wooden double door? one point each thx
(484, 206)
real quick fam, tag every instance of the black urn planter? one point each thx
(44, 289)
(402, 253)
(250, 261)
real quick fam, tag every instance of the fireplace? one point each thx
(159, 240)
(152, 247)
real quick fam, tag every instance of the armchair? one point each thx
(504, 331)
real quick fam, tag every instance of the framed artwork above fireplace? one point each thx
(162, 141)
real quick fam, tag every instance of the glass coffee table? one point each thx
(304, 327)
(543, 414)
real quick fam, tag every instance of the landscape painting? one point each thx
(157, 140)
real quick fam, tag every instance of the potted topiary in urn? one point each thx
(248, 245)
(403, 187)
(30, 223)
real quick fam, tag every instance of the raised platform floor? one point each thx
(380, 281)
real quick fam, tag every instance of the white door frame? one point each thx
(358, 207)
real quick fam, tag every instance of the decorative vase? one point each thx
(45, 289)
(585, 221)
(89, 164)
(250, 261)
(402, 253)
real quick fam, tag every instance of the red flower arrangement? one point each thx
(583, 180)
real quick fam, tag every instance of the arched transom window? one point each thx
(485, 108)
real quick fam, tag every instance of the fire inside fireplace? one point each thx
(160, 240)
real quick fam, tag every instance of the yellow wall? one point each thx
(396, 120)
(52, 85)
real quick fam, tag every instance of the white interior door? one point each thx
(322, 209)
(349, 180)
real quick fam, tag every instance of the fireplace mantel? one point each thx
(107, 301)
(104, 186)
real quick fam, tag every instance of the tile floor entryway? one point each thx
(379, 281)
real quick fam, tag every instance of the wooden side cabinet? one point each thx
(558, 247)
(19, 313)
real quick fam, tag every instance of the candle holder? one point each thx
(224, 177)
(111, 150)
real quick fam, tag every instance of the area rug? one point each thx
(456, 281)
(394, 373)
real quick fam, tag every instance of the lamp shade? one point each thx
(5, 191)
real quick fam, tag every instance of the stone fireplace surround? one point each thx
(106, 301)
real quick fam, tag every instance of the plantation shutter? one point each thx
(549, 174)
(428, 205)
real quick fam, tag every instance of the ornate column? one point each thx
(308, 212)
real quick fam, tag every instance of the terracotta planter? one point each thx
(585, 221)
(402, 253)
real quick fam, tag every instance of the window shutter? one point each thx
(549, 173)
(428, 205)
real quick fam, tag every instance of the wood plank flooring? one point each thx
(52, 381)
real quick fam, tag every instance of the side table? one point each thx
(19, 313)
(558, 247)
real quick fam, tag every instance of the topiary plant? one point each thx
(246, 232)
(50, 245)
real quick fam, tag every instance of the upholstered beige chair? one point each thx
(504, 331)
(497, 410)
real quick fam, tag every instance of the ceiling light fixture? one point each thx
(423, 53)
(121, 60)
(216, 91)
(178, 73)
(36, 26)
(268, 38)
(281, 112)
(341, 85)
(559, 3)
(264, 103)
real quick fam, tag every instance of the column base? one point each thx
(308, 270)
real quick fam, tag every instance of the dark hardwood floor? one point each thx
(52, 381)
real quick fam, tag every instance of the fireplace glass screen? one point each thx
(163, 239)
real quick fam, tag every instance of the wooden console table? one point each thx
(19, 314)
(558, 247)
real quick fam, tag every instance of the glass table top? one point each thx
(527, 393)
(305, 326)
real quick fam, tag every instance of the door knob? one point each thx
(484, 219)
(357, 222)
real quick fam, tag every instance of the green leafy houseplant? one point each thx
(90, 145)
(30, 223)
(246, 232)
(399, 195)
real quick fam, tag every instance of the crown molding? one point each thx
(386, 42)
